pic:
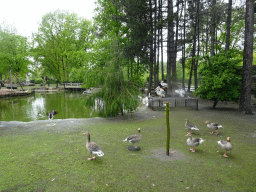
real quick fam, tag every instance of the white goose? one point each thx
(194, 142)
(134, 138)
(159, 91)
(213, 126)
(92, 147)
(191, 127)
(226, 145)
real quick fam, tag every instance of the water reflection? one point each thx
(37, 110)
(68, 105)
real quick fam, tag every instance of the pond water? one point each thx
(35, 107)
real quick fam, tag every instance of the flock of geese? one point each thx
(93, 148)
(194, 142)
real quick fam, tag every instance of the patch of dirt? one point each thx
(174, 155)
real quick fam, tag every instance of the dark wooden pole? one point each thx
(168, 129)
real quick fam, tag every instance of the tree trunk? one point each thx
(215, 103)
(155, 53)
(213, 28)
(184, 45)
(170, 46)
(245, 97)
(190, 77)
(198, 45)
(174, 71)
(151, 57)
(228, 26)
(162, 48)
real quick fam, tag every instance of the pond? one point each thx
(35, 107)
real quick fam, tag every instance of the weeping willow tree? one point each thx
(117, 93)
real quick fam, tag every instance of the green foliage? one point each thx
(38, 80)
(14, 52)
(220, 78)
(62, 44)
(116, 93)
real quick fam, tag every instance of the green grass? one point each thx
(54, 158)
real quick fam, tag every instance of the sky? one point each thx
(25, 15)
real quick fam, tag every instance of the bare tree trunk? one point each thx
(198, 45)
(190, 76)
(11, 75)
(207, 35)
(184, 45)
(245, 97)
(174, 71)
(155, 45)
(170, 46)
(151, 57)
(228, 26)
(213, 28)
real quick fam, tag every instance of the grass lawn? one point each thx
(51, 155)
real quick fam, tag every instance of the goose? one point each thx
(92, 147)
(159, 91)
(190, 126)
(163, 84)
(54, 112)
(134, 138)
(226, 145)
(50, 115)
(213, 126)
(194, 142)
(180, 92)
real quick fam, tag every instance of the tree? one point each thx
(62, 43)
(245, 97)
(14, 53)
(220, 77)
(117, 93)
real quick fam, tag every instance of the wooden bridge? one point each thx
(73, 86)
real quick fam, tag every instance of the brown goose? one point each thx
(92, 147)
(134, 138)
(213, 126)
(194, 142)
(190, 126)
(226, 145)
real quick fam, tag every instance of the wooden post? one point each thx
(168, 129)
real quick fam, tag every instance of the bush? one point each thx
(220, 78)
(38, 81)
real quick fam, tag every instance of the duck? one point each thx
(194, 142)
(50, 115)
(190, 126)
(134, 138)
(213, 126)
(54, 112)
(226, 145)
(92, 147)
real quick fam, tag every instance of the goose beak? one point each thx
(84, 133)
